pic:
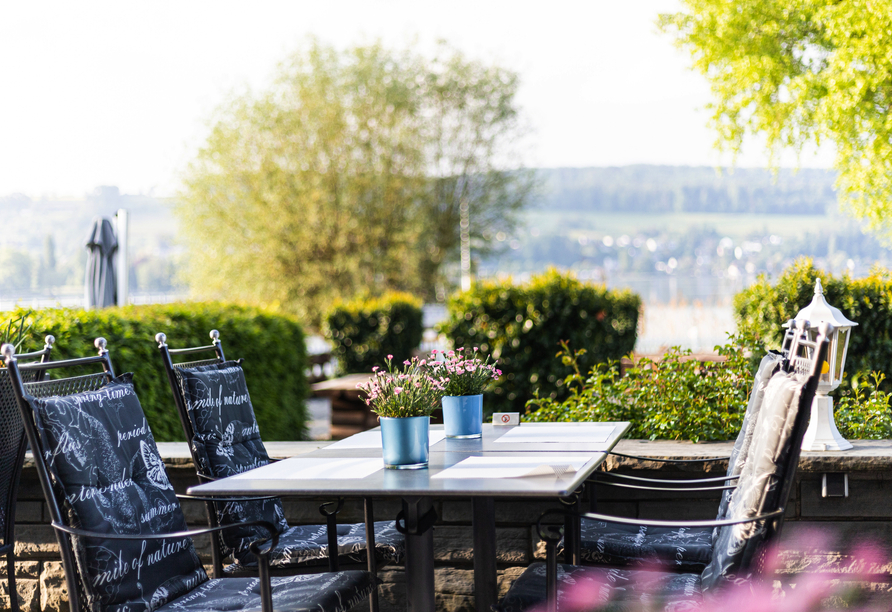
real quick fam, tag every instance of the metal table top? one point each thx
(403, 483)
(272, 480)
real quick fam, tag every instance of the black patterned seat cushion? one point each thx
(308, 544)
(331, 592)
(110, 478)
(676, 549)
(685, 549)
(605, 589)
(227, 442)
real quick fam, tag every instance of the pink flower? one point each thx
(397, 390)
(390, 356)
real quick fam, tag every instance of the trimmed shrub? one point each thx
(522, 327)
(763, 307)
(272, 346)
(675, 398)
(365, 331)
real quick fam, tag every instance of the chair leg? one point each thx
(331, 524)
(10, 574)
(550, 576)
(371, 551)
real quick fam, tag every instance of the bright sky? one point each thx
(119, 93)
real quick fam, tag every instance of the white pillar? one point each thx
(122, 229)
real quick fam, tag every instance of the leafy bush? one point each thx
(522, 326)
(681, 398)
(865, 416)
(272, 346)
(762, 307)
(677, 397)
(365, 331)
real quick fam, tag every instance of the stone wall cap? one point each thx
(867, 455)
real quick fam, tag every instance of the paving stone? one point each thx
(29, 511)
(392, 592)
(35, 542)
(454, 581)
(455, 544)
(23, 569)
(27, 594)
(507, 578)
(53, 592)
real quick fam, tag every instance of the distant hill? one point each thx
(666, 189)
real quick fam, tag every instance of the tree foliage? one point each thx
(346, 175)
(799, 71)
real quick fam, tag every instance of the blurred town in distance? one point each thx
(685, 238)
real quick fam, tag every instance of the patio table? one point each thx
(358, 471)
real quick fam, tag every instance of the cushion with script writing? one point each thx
(101, 452)
(228, 442)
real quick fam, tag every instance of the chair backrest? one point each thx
(100, 471)
(768, 475)
(218, 419)
(13, 442)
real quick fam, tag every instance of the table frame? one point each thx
(417, 490)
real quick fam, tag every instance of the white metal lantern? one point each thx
(822, 434)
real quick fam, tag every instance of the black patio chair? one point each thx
(12, 453)
(121, 531)
(603, 543)
(754, 520)
(227, 442)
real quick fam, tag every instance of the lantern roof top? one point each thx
(819, 310)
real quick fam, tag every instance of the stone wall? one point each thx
(866, 513)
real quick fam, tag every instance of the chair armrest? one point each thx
(649, 523)
(658, 460)
(673, 489)
(223, 499)
(679, 482)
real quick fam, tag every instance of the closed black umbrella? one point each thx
(99, 284)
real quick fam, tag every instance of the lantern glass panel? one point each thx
(825, 369)
(842, 339)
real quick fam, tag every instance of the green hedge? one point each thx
(522, 327)
(764, 306)
(364, 332)
(272, 346)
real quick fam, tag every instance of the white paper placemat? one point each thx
(515, 467)
(577, 433)
(372, 439)
(313, 468)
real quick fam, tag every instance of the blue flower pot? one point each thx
(463, 416)
(405, 442)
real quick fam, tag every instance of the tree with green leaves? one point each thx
(345, 176)
(801, 71)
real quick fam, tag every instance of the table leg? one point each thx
(419, 555)
(486, 585)
(573, 531)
